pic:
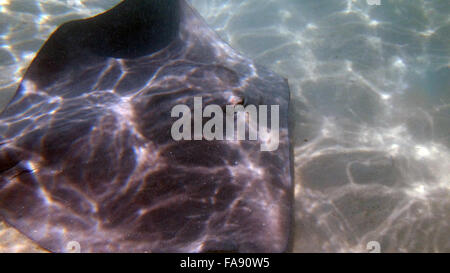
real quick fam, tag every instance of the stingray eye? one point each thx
(236, 100)
(239, 100)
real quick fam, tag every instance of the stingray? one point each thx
(87, 155)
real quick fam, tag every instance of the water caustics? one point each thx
(371, 95)
(87, 159)
(371, 110)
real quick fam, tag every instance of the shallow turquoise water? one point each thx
(371, 86)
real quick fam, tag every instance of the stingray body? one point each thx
(86, 152)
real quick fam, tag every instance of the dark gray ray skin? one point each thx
(86, 152)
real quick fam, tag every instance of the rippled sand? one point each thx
(371, 89)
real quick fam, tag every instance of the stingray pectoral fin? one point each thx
(93, 158)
